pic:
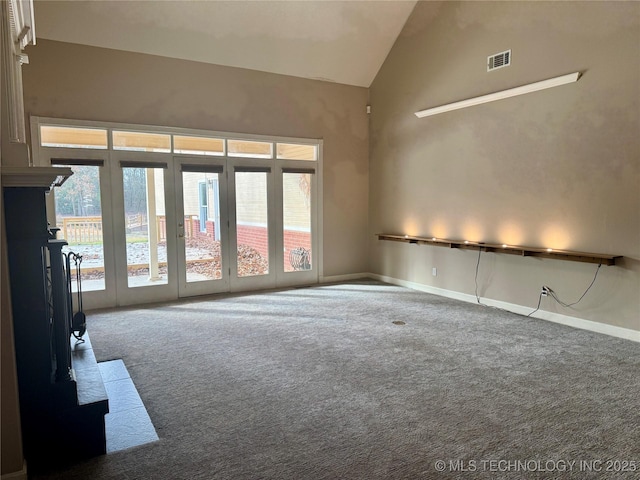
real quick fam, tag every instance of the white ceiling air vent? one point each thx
(499, 60)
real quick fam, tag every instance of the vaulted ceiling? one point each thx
(338, 41)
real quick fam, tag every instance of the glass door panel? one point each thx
(296, 215)
(252, 232)
(296, 207)
(201, 203)
(145, 226)
(252, 224)
(203, 265)
(79, 217)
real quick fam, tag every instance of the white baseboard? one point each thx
(612, 330)
(344, 278)
(19, 475)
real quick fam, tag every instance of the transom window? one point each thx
(247, 148)
(290, 151)
(58, 136)
(71, 137)
(141, 142)
(198, 145)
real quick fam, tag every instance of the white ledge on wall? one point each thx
(492, 97)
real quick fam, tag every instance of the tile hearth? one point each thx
(127, 423)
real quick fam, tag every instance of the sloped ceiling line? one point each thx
(339, 41)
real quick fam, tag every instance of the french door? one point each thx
(155, 213)
(258, 229)
(186, 226)
(144, 228)
(202, 233)
(254, 257)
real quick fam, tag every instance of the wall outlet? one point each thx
(434, 271)
(545, 291)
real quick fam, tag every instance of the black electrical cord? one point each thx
(560, 302)
(555, 297)
(538, 307)
(476, 282)
(551, 292)
(476, 277)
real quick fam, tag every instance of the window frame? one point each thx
(41, 156)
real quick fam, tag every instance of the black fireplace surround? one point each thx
(62, 397)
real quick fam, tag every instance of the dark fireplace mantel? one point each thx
(56, 427)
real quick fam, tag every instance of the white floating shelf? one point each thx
(492, 97)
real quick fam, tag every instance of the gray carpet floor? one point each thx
(320, 383)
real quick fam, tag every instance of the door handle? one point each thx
(180, 235)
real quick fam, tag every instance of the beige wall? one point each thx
(12, 459)
(558, 168)
(88, 83)
(11, 154)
